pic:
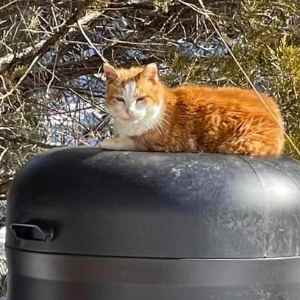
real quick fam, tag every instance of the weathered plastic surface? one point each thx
(177, 226)
(159, 205)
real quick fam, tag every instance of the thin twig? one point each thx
(21, 79)
(8, 4)
(90, 42)
(53, 75)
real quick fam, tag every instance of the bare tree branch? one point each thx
(42, 49)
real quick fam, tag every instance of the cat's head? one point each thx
(134, 95)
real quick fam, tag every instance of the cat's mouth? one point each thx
(129, 119)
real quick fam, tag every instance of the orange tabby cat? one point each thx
(149, 116)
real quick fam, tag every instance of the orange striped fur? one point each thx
(149, 116)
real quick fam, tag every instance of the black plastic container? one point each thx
(91, 225)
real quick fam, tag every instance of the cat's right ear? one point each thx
(151, 72)
(110, 72)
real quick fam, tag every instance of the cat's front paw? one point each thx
(105, 144)
(119, 143)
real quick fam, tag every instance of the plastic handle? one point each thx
(31, 232)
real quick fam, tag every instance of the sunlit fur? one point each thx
(189, 118)
(133, 118)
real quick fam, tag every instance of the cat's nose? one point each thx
(130, 112)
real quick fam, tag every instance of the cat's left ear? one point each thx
(110, 72)
(151, 72)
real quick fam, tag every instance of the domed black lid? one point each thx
(84, 201)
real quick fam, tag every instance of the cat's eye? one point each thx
(120, 99)
(140, 99)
